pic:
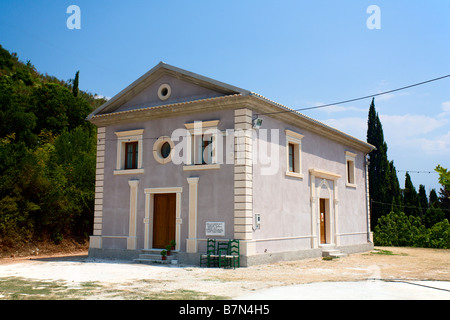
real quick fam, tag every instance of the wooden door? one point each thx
(323, 228)
(164, 213)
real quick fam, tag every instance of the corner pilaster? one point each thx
(191, 241)
(243, 179)
(131, 240)
(95, 241)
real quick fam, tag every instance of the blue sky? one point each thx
(298, 53)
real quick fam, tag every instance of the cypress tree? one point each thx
(75, 84)
(422, 199)
(433, 199)
(410, 198)
(383, 183)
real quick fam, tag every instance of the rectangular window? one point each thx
(202, 146)
(131, 155)
(206, 149)
(129, 152)
(202, 151)
(294, 154)
(291, 157)
(350, 166)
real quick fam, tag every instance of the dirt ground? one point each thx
(120, 280)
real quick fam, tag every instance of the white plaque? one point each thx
(215, 228)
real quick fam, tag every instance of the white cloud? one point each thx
(389, 96)
(403, 133)
(354, 126)
(99, 96)
(445, 109)
(339, 108)
(408, 125)
(440, 145)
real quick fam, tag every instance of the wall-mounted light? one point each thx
(257, 123)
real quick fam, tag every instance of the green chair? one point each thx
(222, 252)
(210, 255)
(233, 256)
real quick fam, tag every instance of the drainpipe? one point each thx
(368, 208)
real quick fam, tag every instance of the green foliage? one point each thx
(410, 197)
(398, 229)
(75, 84)
(47, 156)
(383, 182)
(444, 176)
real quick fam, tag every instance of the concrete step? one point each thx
(153, 256)
(155, 261)
(333, 253)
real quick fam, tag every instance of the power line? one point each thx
(409, 171)
(403, 206)
(357, 99)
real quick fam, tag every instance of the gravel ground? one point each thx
(123, 280)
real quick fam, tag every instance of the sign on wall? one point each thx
(215, 228)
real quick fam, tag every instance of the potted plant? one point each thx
(163, 254)
(173, 243)
(168, 249)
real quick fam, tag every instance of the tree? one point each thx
(444, 192)
(383, 183)
(444, 176)
(422, 199)
(433, 199)
(75, 84)
(410, 198)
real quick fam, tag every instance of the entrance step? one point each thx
(332, 252)
(153, 256)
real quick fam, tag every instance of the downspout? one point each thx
(368, 208)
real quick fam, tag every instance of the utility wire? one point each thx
(357, 99)
(403, 206)
(409, 171)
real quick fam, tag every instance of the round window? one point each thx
(162, 149)
(164, 91)
(165, 150)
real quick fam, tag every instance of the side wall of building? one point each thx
(288, 204)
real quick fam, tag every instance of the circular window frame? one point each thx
(157, 150)
(164, 87)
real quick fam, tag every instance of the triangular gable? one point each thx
(183, 85)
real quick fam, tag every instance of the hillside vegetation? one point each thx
(47, 156)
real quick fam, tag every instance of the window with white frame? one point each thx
(350, 168)
(203, 146)
(294, 154)
(162, 149)
(129, 152)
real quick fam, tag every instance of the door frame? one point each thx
(149, 211)
(326, 221)
(324, 178)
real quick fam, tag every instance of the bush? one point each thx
(397, 229)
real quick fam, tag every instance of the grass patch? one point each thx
(15, 288)
(387, 252)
